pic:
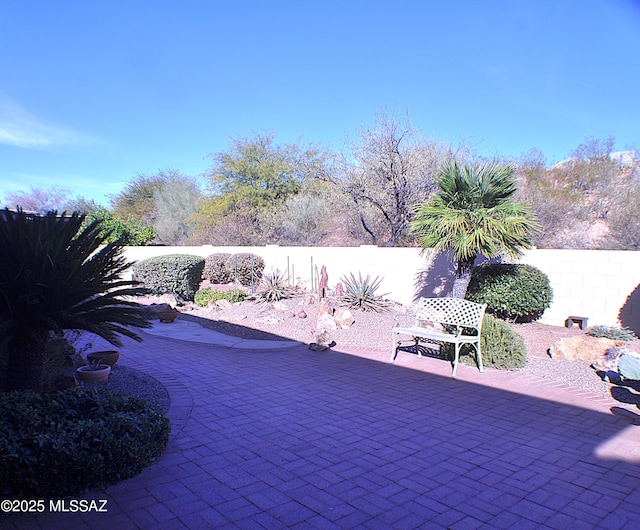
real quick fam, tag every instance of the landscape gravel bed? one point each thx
(138, 384)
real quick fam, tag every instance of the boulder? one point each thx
(270, 320)
(326, 307)
(224, 304)
(325, 322)
(168, 299)
(343, 317)
(583, 347)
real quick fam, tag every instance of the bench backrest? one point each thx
(451, 311)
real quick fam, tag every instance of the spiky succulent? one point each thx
(360, 293)
(273, 287)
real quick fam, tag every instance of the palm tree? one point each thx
(55, 275)
(474, 213)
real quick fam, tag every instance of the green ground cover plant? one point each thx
(62, 443)
(612, 332)
(207, 295)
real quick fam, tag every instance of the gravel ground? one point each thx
(136, 383)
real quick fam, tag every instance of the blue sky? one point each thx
(93, 93)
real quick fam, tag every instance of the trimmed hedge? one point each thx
(218, 268)
(177, 274)
(516, 292)
(502, 348)
(225, 268)
(61, 444)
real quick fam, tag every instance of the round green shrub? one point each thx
(63, 443)
(247, 268)
(207, 295)
(502, 348)
(218, 268)
(177, 274)
(243, 268)
(516, 292)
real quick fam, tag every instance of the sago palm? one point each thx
(474, 213)
(55, 275)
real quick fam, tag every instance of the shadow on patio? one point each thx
(298, 439)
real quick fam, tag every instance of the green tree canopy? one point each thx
(128, 233)
(257, 172)
(138, 198)
(254, 177)
(474, 213)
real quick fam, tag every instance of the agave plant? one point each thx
(56, 275)
(273, 288)
(360, 293)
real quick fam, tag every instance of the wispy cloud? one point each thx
(20, 128)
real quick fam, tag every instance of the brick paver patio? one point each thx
(298, 439)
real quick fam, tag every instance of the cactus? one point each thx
(629, 366)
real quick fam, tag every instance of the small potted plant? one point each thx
(93, 372)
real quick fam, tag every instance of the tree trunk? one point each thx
(463, 277)
(25, 355)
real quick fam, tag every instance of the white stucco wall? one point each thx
(598, 284)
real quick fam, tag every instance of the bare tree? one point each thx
(386, 174)
(39, 200)
(175, 201)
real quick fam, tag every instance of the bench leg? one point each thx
(455, 360)
(394, 347)
(479, 357)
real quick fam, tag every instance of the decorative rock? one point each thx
(326, 308)
(326, 322)
(581, 347)
(343, 318)
(168, 299)
(224, 304)
(212, 307)
(270, 320)
(279, 306)
(309, 299)
(322, 341)
(164, 312)
(302, 314)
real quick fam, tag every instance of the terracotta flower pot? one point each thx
(109, 357)
(88, 374)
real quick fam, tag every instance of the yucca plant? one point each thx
(273, 287)
(361, 294)
(57, 275)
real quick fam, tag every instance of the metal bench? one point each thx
(453, 320)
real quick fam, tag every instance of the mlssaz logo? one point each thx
(78, 505)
